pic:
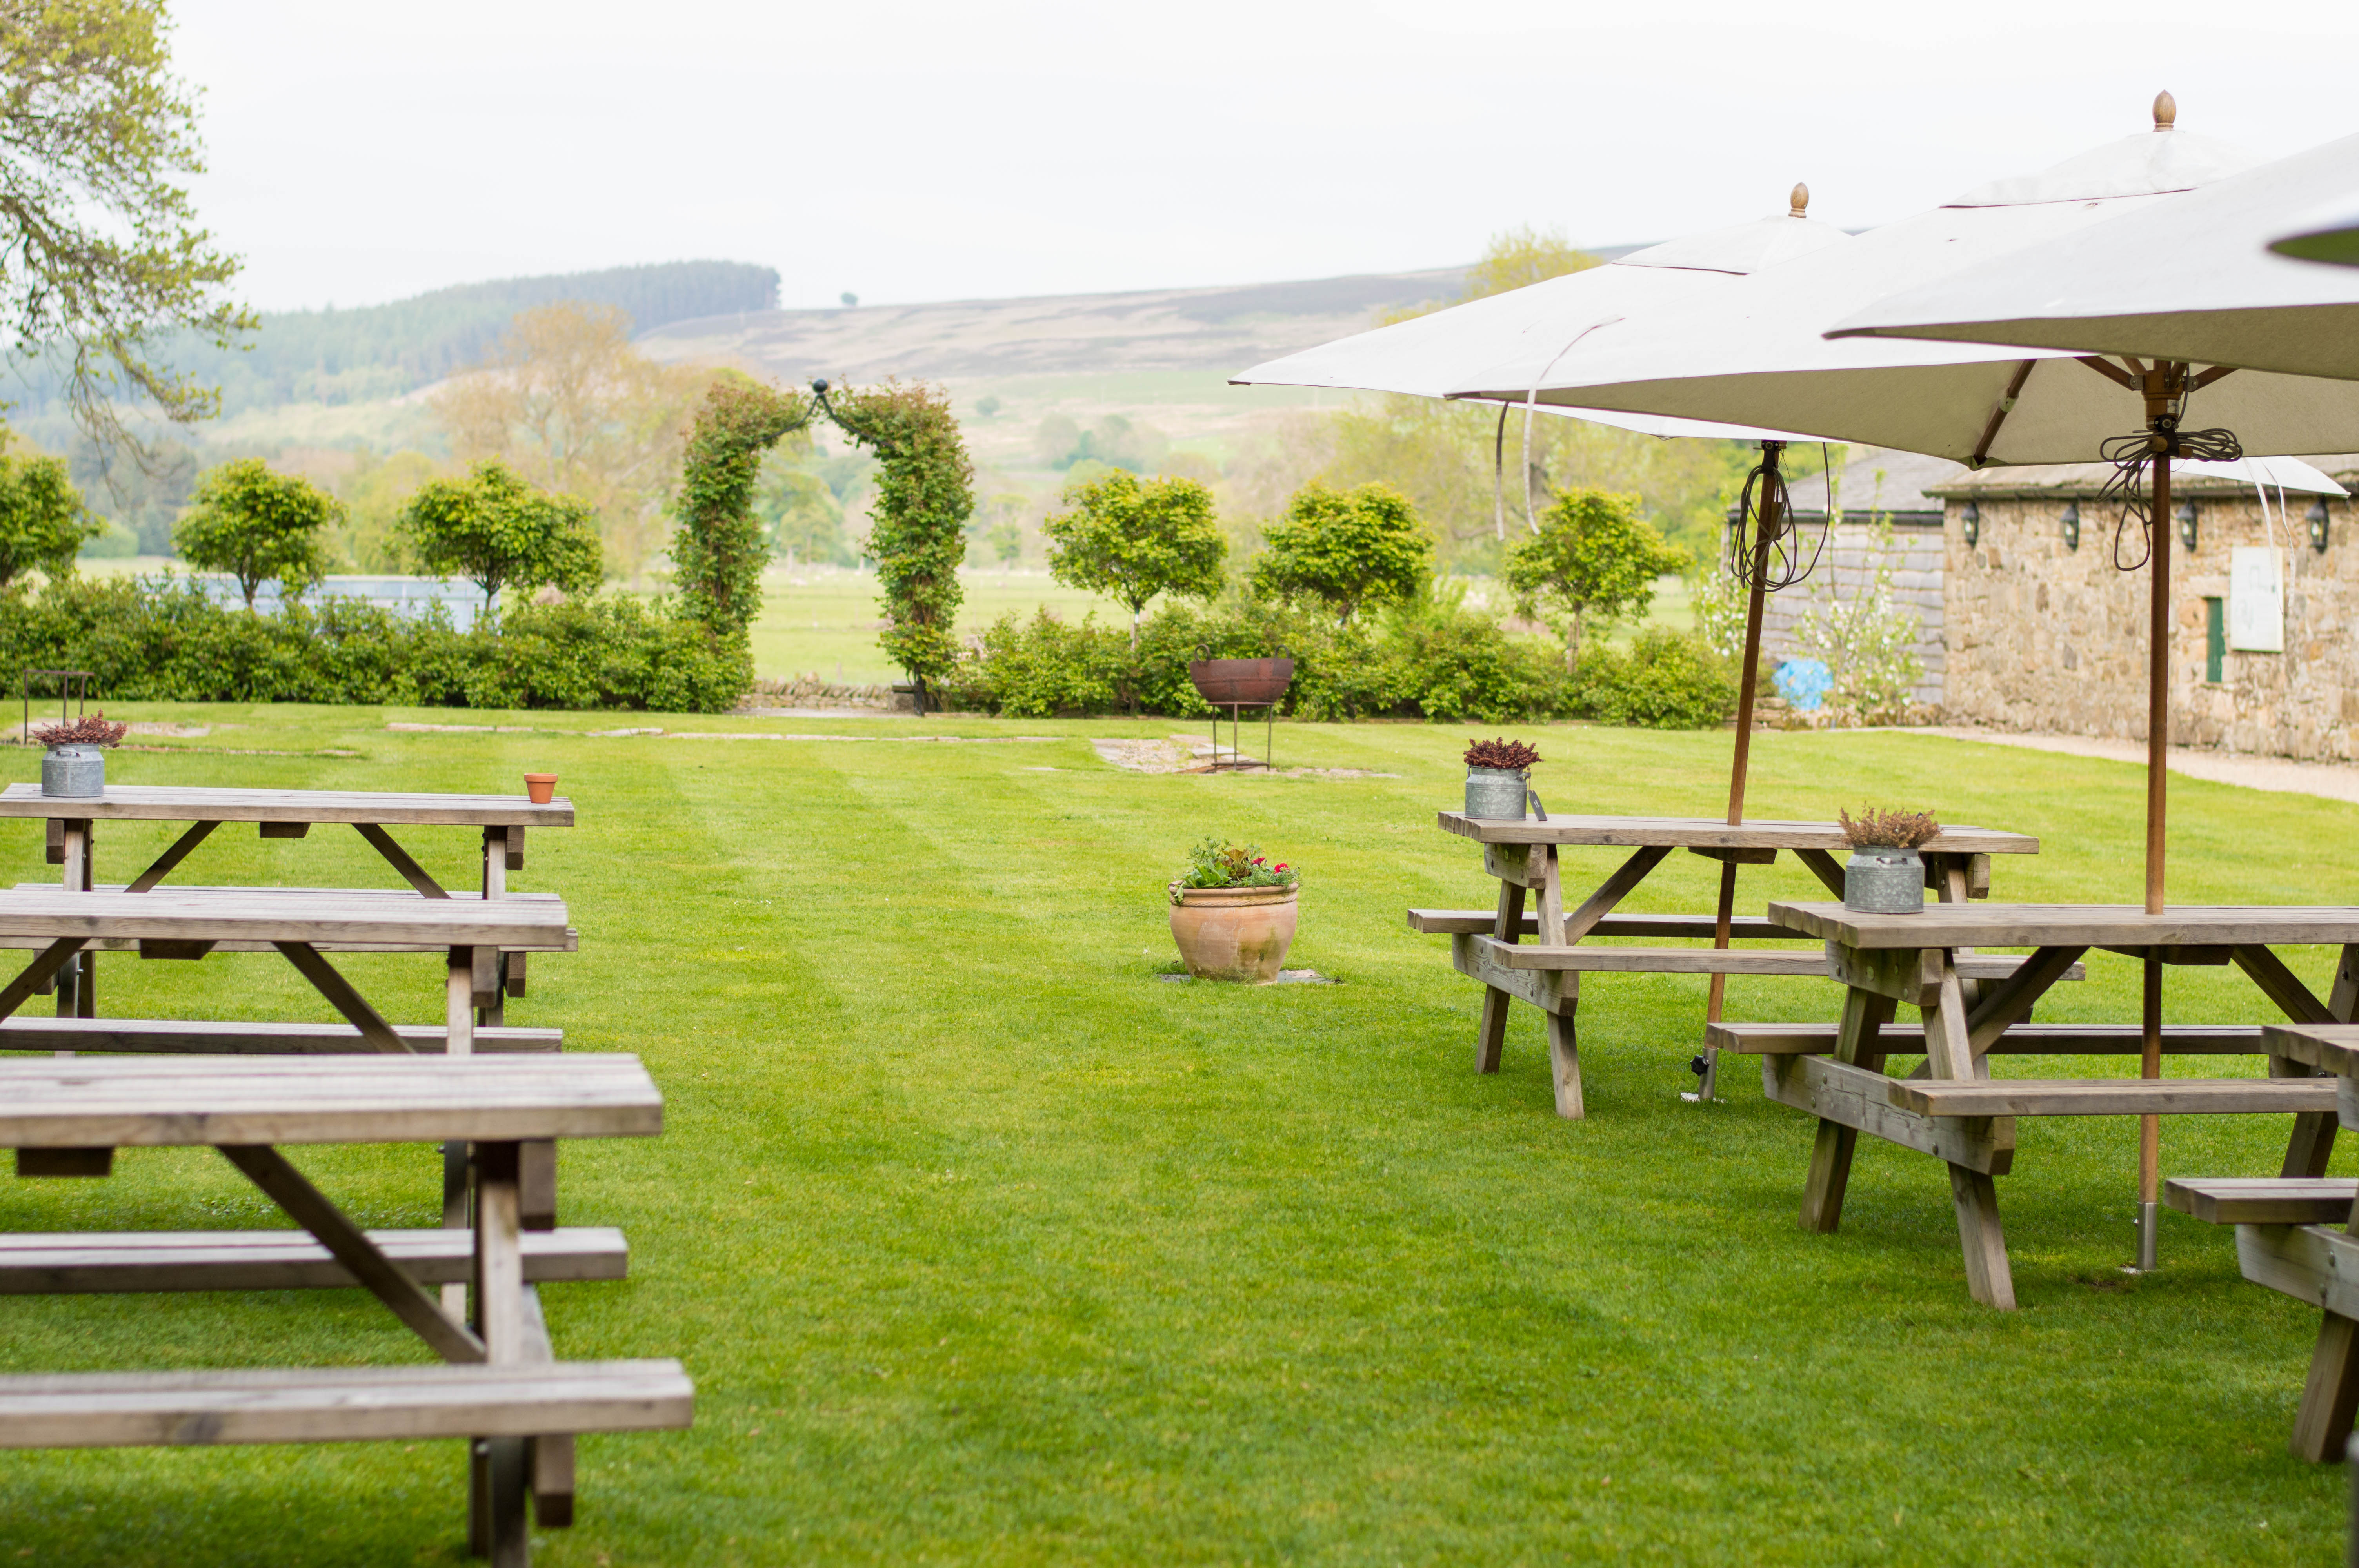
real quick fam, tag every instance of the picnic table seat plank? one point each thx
(2263, 1200)
(264, 915)
(1590, 959)
(1484, 923)
(80, 1262)
(2021, 1040)
(239, 1037)
(2122, 927)
(340, 1404)
(2113, 1096)
(181, 1101)
(188, 803)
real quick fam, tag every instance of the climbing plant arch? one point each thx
(924, 496)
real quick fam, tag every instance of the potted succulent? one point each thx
(1233, 912)
(74, 766)
(1499, 778)
(1885, 874)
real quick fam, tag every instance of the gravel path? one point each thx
(2333, 781)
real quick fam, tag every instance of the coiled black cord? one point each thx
(2128, 489)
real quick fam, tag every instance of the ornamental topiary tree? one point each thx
(1596, 557)
(1346, 548)
(42, 519)
(255, 525)
(498, 532)
(925, 492)
(1132, 540)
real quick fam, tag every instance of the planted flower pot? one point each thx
(1233, 933)
(74, 765)
(1499, 779)
(1885, 874)
(1232, 913)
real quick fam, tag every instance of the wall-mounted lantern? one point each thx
(2187, 525)
(2071, 525)
(1969, 517)
(2317, 525)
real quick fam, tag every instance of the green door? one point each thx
(2215, 639)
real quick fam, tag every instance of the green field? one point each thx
(986, 1244)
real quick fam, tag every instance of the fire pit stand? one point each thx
(1237, 685)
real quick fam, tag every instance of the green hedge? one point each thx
(1434, 661)
(166, 641)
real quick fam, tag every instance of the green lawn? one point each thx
(985, 1244)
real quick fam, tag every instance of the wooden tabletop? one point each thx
(1711, 833)
(146, 1102)
(265, 915)
(2073, 924)
(2329, 1048)
(179, 803)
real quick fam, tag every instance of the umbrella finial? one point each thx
(2166, 110)
(1800, 200)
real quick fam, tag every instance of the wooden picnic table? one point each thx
(501, 1387)
(2299, 1234)
(1952, 1108)
(279, 814)
(1525, 855)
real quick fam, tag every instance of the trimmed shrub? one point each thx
(1663, 680)
(167, 641)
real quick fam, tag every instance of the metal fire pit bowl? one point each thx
(1236, 684)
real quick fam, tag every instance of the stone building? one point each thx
(2042, 632)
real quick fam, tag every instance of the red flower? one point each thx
(1281, 865)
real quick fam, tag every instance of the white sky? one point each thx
(914, 149)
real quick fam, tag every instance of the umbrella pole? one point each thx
(1762, 537)
(2158, 778)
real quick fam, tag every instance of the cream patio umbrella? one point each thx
(1428, 356)
(2191, 280)
(1760, 344)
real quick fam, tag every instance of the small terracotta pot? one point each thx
(1233, 933)
(541, 787)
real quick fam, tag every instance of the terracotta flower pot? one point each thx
(1233, 933)
(540, 787)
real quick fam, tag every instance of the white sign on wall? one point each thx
(2257, 600)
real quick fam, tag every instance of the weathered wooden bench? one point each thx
(2263, 1200)
(224, 1037)
(281, 813)
(504, 1389)
(1950, 1106)
(78, 1262)
(1525, 857)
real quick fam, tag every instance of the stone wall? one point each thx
(810, 691)
(2045, 637)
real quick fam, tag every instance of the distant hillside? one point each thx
(380, 352)
(1196, 329)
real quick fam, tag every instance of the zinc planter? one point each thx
(1497, 795)
(1233, 933)
(1879, 879)
(74, 773)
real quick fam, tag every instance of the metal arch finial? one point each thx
(2166, 110)
(1800, 200)
(819, 385)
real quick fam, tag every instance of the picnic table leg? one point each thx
(459, 1022)
(76, 879)
(2330, 1395)
(1564, 1045)
(1708, 1081)
(1857, 1045)
(1490, 1036)
(1975, 1196)
(497, 1479)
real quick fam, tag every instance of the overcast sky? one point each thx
(913, 150)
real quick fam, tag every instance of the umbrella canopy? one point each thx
(2188, 279)
(1754, 352)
